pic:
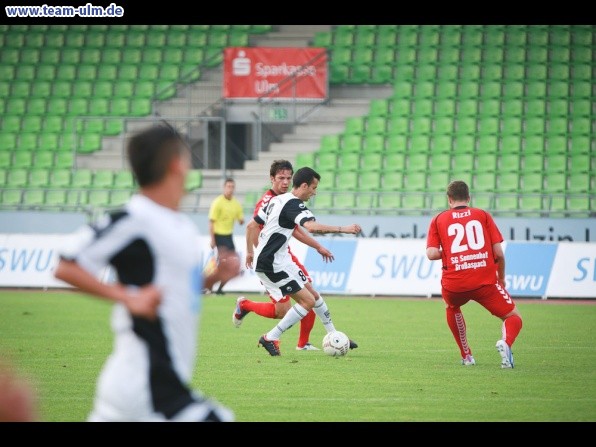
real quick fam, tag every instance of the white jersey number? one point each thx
(472, 232)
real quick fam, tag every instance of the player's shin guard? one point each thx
(323, 313)
(293, 316)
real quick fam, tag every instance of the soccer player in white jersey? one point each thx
(273, 262)
(154, 250)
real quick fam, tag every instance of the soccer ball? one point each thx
(336, 344)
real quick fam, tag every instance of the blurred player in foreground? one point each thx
(468, 242)
(154, 250)
(274, 266)
(280, 174)
(18, 400)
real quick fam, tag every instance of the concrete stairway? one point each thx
(196, 99)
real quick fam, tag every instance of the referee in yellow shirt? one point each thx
(225, 209)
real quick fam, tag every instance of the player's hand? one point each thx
(351, 229)
(249, 260)
(143, 302)
(327, 255)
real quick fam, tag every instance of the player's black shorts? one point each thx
(225, 240)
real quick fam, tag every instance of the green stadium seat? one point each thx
(326, 161)
(484, 181)
(323, 202)
(113, 126)
(463, 161)
(346, 181)
(11, 197)
(36, 106)
(123, 180)
(119, 197)
(64, 160)
(534, 144)
(38, 178)
(32, 124)
(11, 125)
(5, 159)
(513, 107)
(579, 182)
(375, 125)
(350, 162)
(140, 107)
(392, 181)
(330, 143)
(465, 126)
(115, 107)
(44, 159)
(194, 179)
(82, 178)
(103, 179)
(354, 126)
(351, 143)
(511, 126)
(55, 198)
(60, 178)
(16, 106)
(109, 72)
(488, 125)
(463, 144)
(372, 162)
(422, 108)
(396, 143)
(555, 182)
(304, 159)
(421, 125)
(128, 72)
(18, 89)
(98, 198)
(373, 143)
(506, 182)
(33, 197)
(17, 177)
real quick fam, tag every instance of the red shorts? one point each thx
(286, 298)
(492, 297)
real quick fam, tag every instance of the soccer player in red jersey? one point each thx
(468, 243)
(280, 173)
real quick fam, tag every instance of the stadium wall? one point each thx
(377, 267)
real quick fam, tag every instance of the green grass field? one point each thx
(406, 369)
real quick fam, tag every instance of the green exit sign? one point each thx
(278, 114)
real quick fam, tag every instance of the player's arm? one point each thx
(142, 302)
(307, 239)
(433, 253)
(500, 260)
(212, 232)
(312, 226)
(252, 239)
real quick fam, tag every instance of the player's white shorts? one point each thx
(288, 282)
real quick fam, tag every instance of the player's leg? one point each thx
(292, 284)
(227, 242)
(457, 325)
(271, 309)
(307, 323)
(497, 301)
(304, 302)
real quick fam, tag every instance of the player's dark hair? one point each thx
(305, 175)
(151, 150)
(458, 190)
(280, 165)
(229, 180)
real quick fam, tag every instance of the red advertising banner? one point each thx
(278, 73)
